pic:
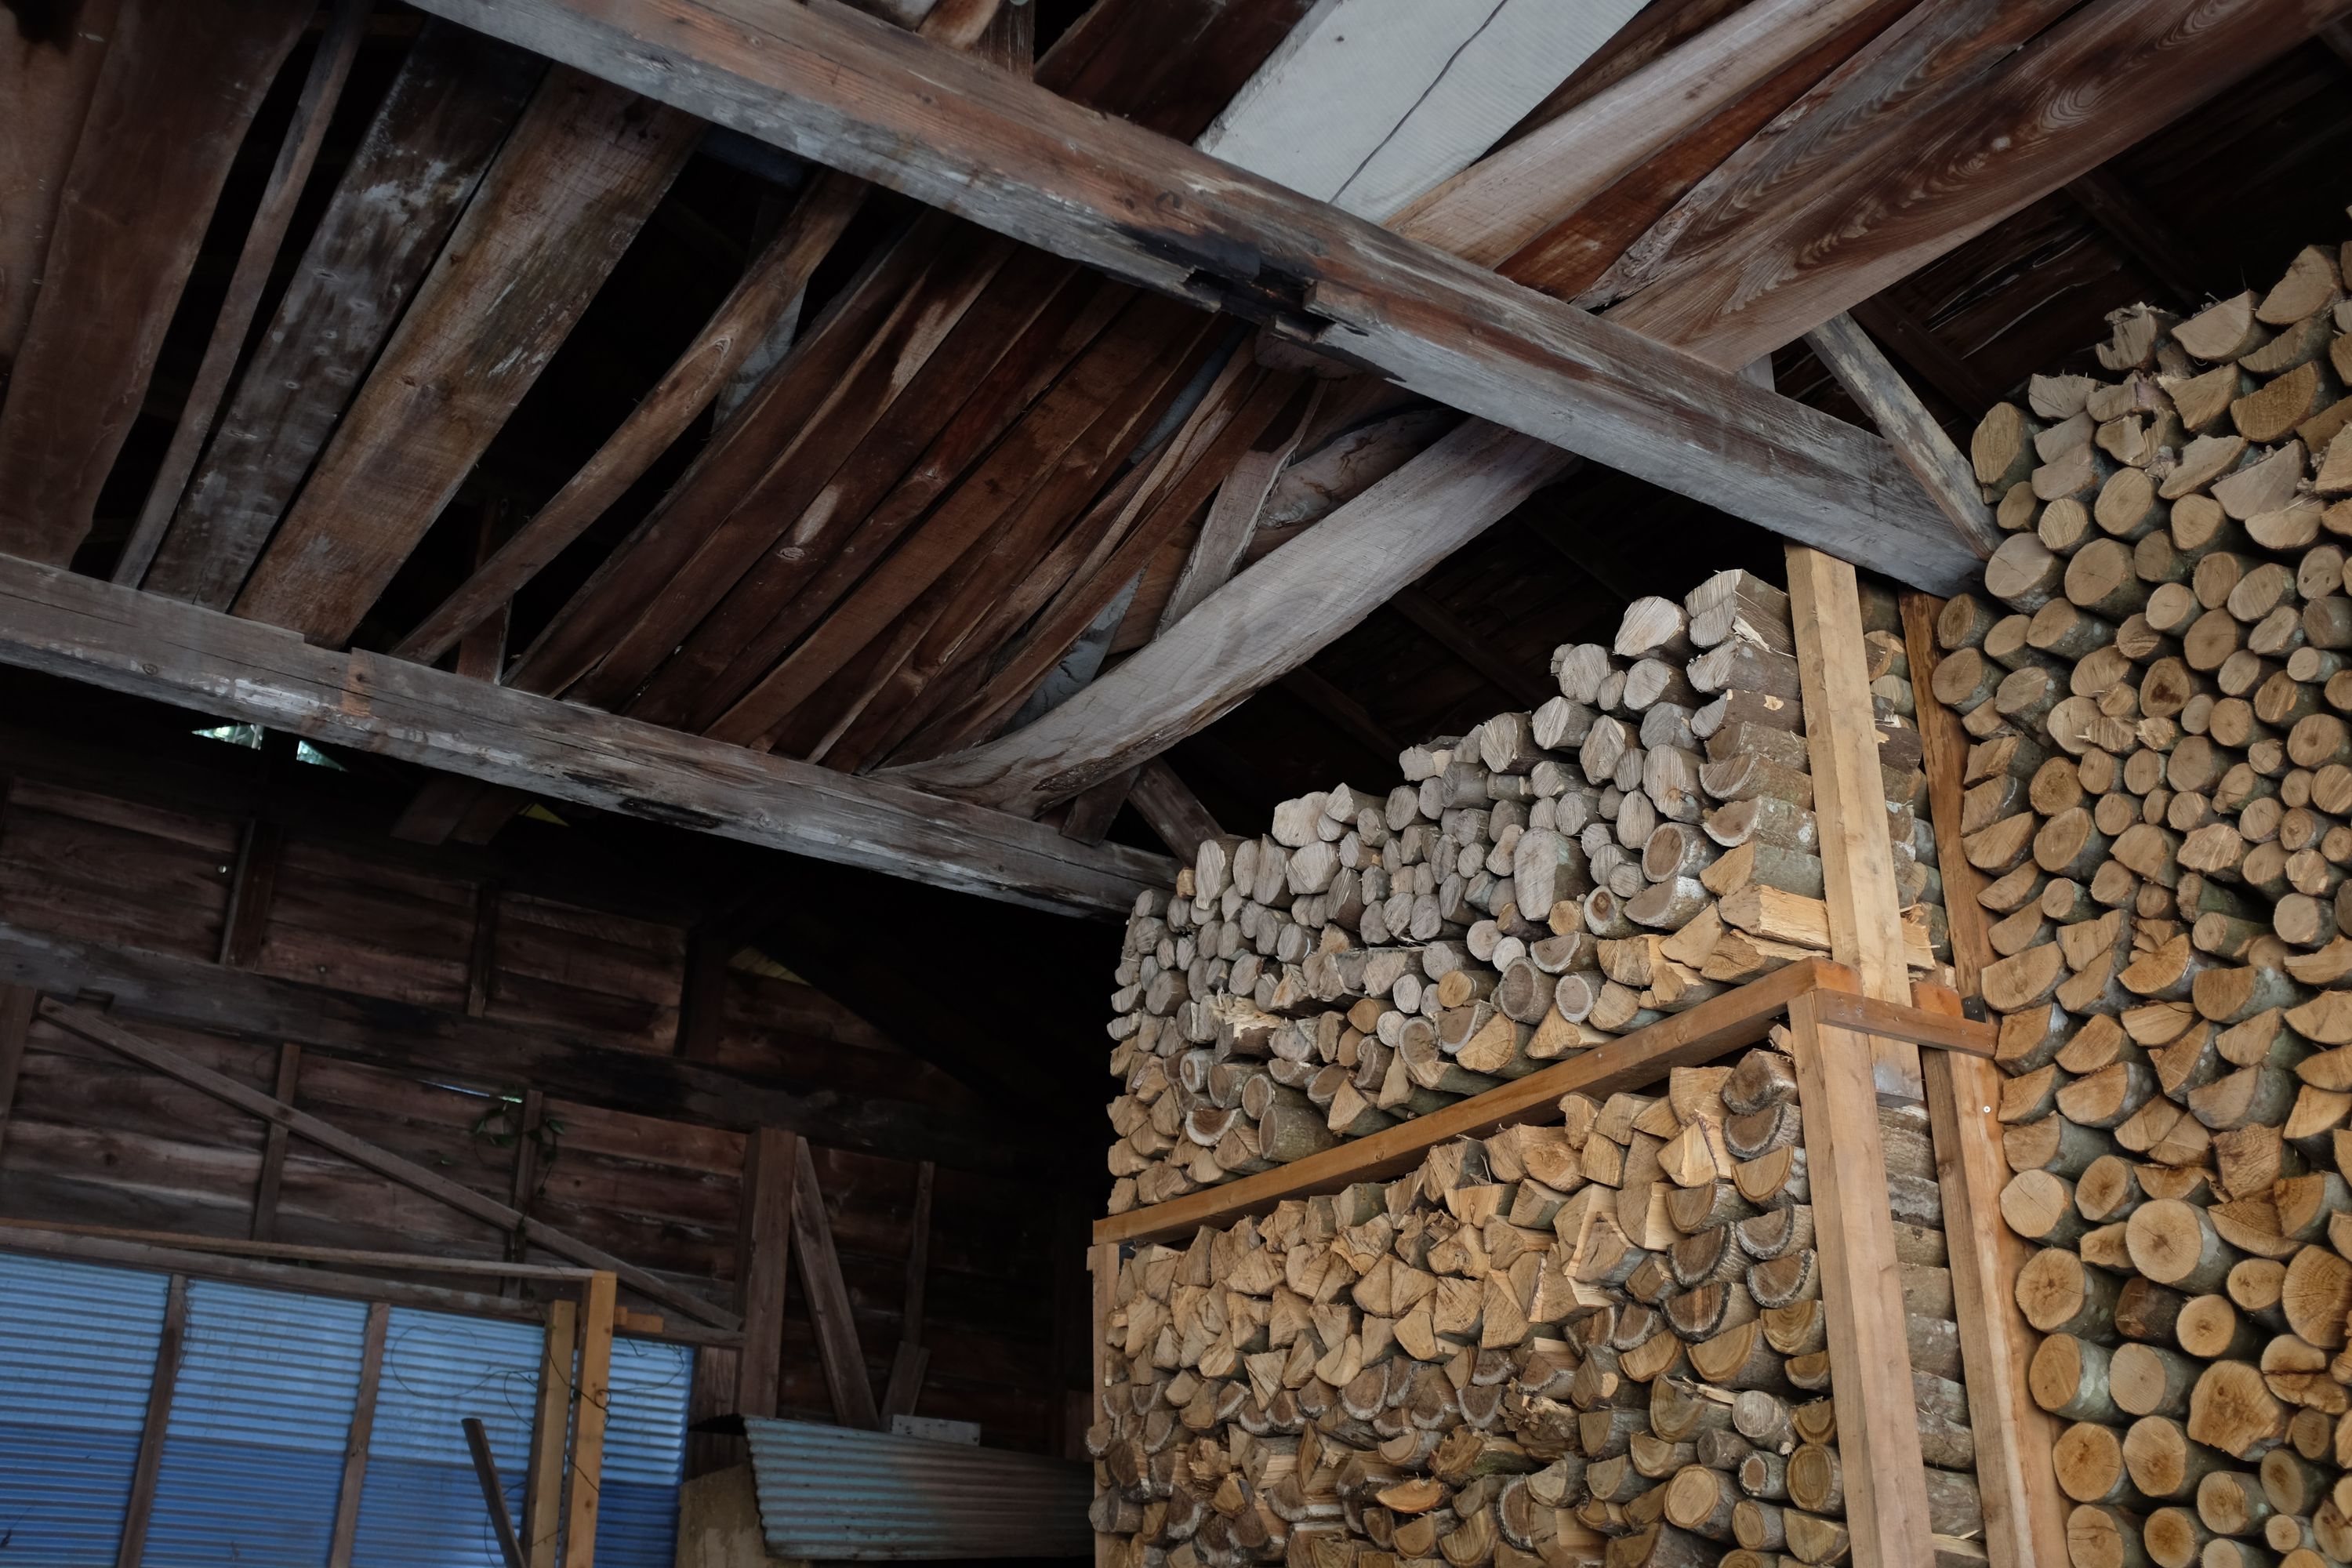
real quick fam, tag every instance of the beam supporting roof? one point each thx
(52, 621)
(950, 131)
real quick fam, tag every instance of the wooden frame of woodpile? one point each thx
(1630, 1298)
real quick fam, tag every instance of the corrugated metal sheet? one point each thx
(837, 1493)
(253, 1448)
(645, 1454)
(421, 1503)
(77, 1357)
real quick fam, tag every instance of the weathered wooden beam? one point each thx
(1846, 350)
(1171, 810)
(360, 1436)
(763, 1265)
(141, 1503)
(954, 133)
(112, 636)
(828, 1299)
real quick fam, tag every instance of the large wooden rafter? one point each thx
(955, 132)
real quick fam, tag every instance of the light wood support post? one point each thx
(542, 1504)
(588, 1420)
(2025, 1517)
(1102, 1265)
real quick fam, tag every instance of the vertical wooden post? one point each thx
(273, 1149)
(159, 1416)
(828, 1299)
(2025, 1517)
(1102, 1263)
(17, 1005)
(588, 1421)
(542, 1503)
(763, 1263)
(356, 1442)
(529, 1117)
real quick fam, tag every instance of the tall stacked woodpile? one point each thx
(2157, 682)
(1597, 1340)
(1542, 884)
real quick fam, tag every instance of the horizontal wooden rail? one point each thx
(1738, 1017)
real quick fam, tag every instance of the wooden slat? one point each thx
(93, 1027)
(1870, 1358)
(542, 1506)
(1879, 390)
(175, 653)
(273, 1150)
(359, 1437)
(565, 195)
(303, 1252)
(1848, 796)
(1267, 621)
(589, 1413)
(763, 1265)
(411, 175)
(530, 1120)
(2092, 86)
(986, 146)
(141, 1503)
(494, 1495)
(2025, 1517)
(45, 92)
(322, 90)
(1920, 1023)
(1740, 1017)
(178, 84)
(828, 1301)
(1102, 1277)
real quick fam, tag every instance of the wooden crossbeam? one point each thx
(137, 643)
(953, 131)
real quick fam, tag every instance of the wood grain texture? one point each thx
(178, 654)
(542, 1508)
(1918, 1024)
(592, 1405)
(1267, 621)
(565, 195)
(180, 82)
(1738, 1017)
(411, 175)
(169, 1349)
(763, 1264)
(322, 88)
(828, 1302)
(2087, 89)
(992, 148)
(1879, 389)
(358, 1438)
(1849, 798)
(98, 1030)
(45, 91)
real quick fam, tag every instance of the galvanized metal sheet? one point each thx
(835, 1493)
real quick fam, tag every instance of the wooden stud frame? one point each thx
(1855, 1046)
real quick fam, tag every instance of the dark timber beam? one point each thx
(52, 621)
(845, 90)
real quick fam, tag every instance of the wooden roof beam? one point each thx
(141, 644)
(956, 133)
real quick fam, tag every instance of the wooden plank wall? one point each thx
(92, 1139)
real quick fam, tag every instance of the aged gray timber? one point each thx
(52, 621)
(861, 96)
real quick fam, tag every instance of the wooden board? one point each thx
(45, 90)
(828, 1302)
(988, 146)
(567, 193)
(178, 86)
(1879, 389)
(176, 653)
(411, 175)
(764, 1251)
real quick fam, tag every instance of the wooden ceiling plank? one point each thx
(322, 90)
(1264, 624)
(2089, 86)
(45, 93)
(563, 200)
(115, 637)
(1006, 351)
(1915, 64)
(1506, 201)
(1881, 392)
(178, 85)
(415, 170)
(738, 454)
(2142, 233)
(862, 392)
(769, 287)
(986, 146)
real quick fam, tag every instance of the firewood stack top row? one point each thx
(1600, 1339)
(1548, 881)
(2156, 680)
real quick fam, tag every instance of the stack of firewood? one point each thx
(1604, 1335)
(2157, 682)
(1554, 878)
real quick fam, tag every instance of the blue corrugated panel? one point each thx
(645, 1454)
(253, 1453)
(422, 1506)
(77, 1357)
